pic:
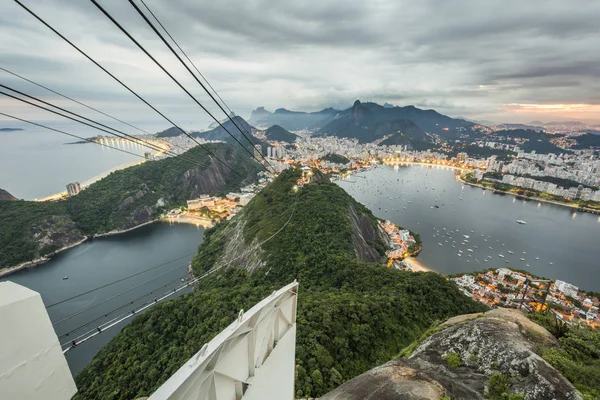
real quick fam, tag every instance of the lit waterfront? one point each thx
(554, 234)
(37, 163)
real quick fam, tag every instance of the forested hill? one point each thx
(122, 200)
(352, 314)
(278, 133)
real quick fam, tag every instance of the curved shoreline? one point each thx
(48, 257)
(41, 260)
(520, 196)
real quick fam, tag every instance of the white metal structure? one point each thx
(32, 365)
(252, 359)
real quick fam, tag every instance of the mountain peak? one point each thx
(359, 112)
(4, 195)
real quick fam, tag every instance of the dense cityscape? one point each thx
(299, 200)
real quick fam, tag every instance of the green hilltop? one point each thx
(353, 312)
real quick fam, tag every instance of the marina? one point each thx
(472, 218)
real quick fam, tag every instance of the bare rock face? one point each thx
(458, 361)
(54, 233)
(364, 235)
(207, 180)
(4, 195)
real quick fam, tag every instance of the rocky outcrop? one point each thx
(4, 195)
(55, 233)
(205, 180)
(471, 357)
(365, 235)
(134, 197)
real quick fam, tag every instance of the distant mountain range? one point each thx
(222, 134)
(293, 120)
(536, 128)
(551, 127)
(369, 122)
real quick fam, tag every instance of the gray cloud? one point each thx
(461, 57)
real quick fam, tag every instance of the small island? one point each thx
(10, 129)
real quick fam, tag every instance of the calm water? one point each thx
(105, 260)
(36, 163)
(557, 235)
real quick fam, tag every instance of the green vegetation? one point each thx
(352, 315)
(453, 360)
(577, 358)
(16, 220)
(408, 350)
(335, 158)
(122, 199)
(587, 141)
(498, 387)
(535, 141)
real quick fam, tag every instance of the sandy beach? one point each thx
(417, 266)
(186, 219)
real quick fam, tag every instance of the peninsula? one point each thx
(123, 200)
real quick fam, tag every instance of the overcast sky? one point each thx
(505, 61)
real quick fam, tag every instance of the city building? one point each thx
(567, 288)
(202, 201)
(257, 151)
(73, 188)
(245, 198)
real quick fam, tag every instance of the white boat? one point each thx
(510, 252)
(522, 259)
(65, 278)
(537, 258)
(440, 244)
(470, 250)
(520, 221)
(466, 236)
(501, 255)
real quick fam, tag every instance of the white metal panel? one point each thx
(275, 379)
(246, 358)
(32, 365)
